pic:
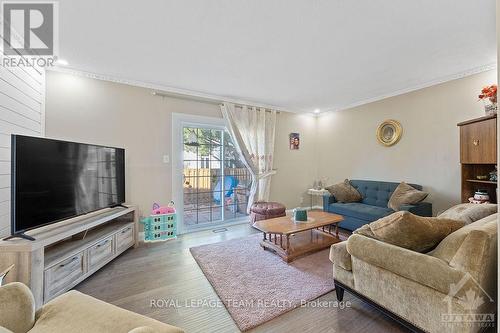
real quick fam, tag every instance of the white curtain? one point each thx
(253, 131)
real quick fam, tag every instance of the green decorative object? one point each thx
(300, 214)
(160, 227)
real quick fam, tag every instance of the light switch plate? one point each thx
(166, 159)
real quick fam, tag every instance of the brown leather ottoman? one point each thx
(266, 210)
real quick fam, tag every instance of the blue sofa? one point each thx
(373, 206)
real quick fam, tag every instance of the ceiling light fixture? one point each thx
(317, 111)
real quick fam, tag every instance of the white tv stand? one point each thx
(66, 253)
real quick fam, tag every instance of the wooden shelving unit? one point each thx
(481, 181)
(478, 155)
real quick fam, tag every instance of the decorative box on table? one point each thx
(160, 227)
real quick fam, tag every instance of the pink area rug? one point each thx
(257, 285)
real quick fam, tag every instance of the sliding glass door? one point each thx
(216, 184)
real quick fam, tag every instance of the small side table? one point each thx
(314, 192)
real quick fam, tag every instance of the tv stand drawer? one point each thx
(125, 238)
(100, 252)
(59, 276)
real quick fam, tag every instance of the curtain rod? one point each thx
(206, 100)
(260, 107)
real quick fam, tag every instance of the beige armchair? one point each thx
(70, 312)
(436, 291)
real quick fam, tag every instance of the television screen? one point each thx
(54, 180)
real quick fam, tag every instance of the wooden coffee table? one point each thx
(291, 239)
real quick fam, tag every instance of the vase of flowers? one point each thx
(489, 97)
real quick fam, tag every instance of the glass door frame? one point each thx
(179, 121)
(222, 169)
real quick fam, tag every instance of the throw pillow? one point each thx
(365, 231)
(416, 233)
(344, 192)
(469, 212)
(405, 194)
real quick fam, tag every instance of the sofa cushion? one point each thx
(77, 312)
(405, 194)
(360, 211)
(410, 231)
(344, 192)
(469, 212)
(402, 263)
(365, 230)
(476, 253)
(449, 246)
(17, 307)
(376, 193)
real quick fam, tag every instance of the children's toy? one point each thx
(157, 209)
(161, 224)
(230, 184)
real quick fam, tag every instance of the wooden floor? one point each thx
(167, 271)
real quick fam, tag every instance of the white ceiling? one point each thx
(298, 55)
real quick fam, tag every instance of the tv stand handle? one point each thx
(102, 243)
(72, 261)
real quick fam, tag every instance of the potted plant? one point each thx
(489, 97)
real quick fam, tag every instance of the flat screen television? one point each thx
(54, 180)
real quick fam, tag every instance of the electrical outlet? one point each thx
(166, 159)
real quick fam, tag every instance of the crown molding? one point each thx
(211, 98)
(427, 84)
(166, 91)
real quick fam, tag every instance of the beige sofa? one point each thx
(435, 291)
(71, 312)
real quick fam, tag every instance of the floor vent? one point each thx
(219, 230)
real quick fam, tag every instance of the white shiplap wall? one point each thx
(22, 111)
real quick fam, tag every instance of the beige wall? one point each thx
(297, 169)
(428, 153)
(336, 145)
(101, 112)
